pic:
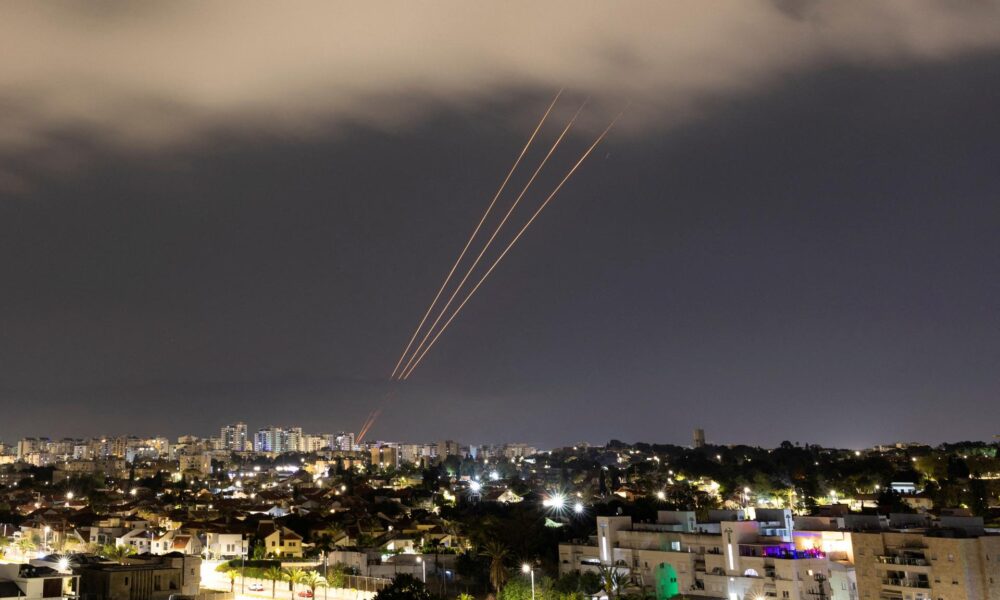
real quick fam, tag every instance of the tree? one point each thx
(259, 551)
(232, 574)
(314, 580)
(613, 580)
(404, 587)
(498, 554)
(293, 576)
(26, 545)
(116, 553)
(274, 575)
(336, 576)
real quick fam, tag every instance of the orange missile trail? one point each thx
(496, 262)
(489, 242)
(368, 425)
(364, 426)
(475, 232)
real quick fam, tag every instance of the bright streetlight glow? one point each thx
(525, 568)
(661, 495)
(475, 486)
(578, 507)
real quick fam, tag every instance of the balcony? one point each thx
(784, 551)
(902, 560)
(906, 583)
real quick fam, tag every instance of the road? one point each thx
(216, 581)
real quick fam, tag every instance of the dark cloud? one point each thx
(207, 229)
(149, 75)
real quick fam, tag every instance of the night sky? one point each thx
(808, 252)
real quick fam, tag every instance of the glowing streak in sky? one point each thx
(496, 262)
(475, 231)
(489, 242)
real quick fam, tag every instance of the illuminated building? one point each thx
(729, 556)
(952, 558)
(234, 437)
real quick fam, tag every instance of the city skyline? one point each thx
(791, 233)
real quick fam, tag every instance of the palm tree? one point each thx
(613, 580)
(314, 580)
(274, 575)
(116, 553)
(293, 576)
(232, 574)
(25, 545)
(498, 554)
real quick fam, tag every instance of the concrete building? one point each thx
(918, 559)
(234, 437)
(385, 457)
(142, 579)
(28, 582)
(448, 448)
(729, 557)
(274, 439)
(200, 463)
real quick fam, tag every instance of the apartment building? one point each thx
(732, 556)
(916, 558)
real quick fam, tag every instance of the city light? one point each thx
(578, 507)
(555, 501)
(661, 495)
(475, 486)
(525, 568)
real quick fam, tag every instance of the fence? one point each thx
(365, 584)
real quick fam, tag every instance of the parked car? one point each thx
(256, 587)
(306, 594)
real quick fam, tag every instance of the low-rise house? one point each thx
(225, 543)
(139, 540)
(28, 582)
(278, 540)
(177, 540)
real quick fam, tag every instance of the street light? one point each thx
(243, 562)
(555, 501)
(526, 568)
(423, 568)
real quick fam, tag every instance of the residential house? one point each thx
(278, 540)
